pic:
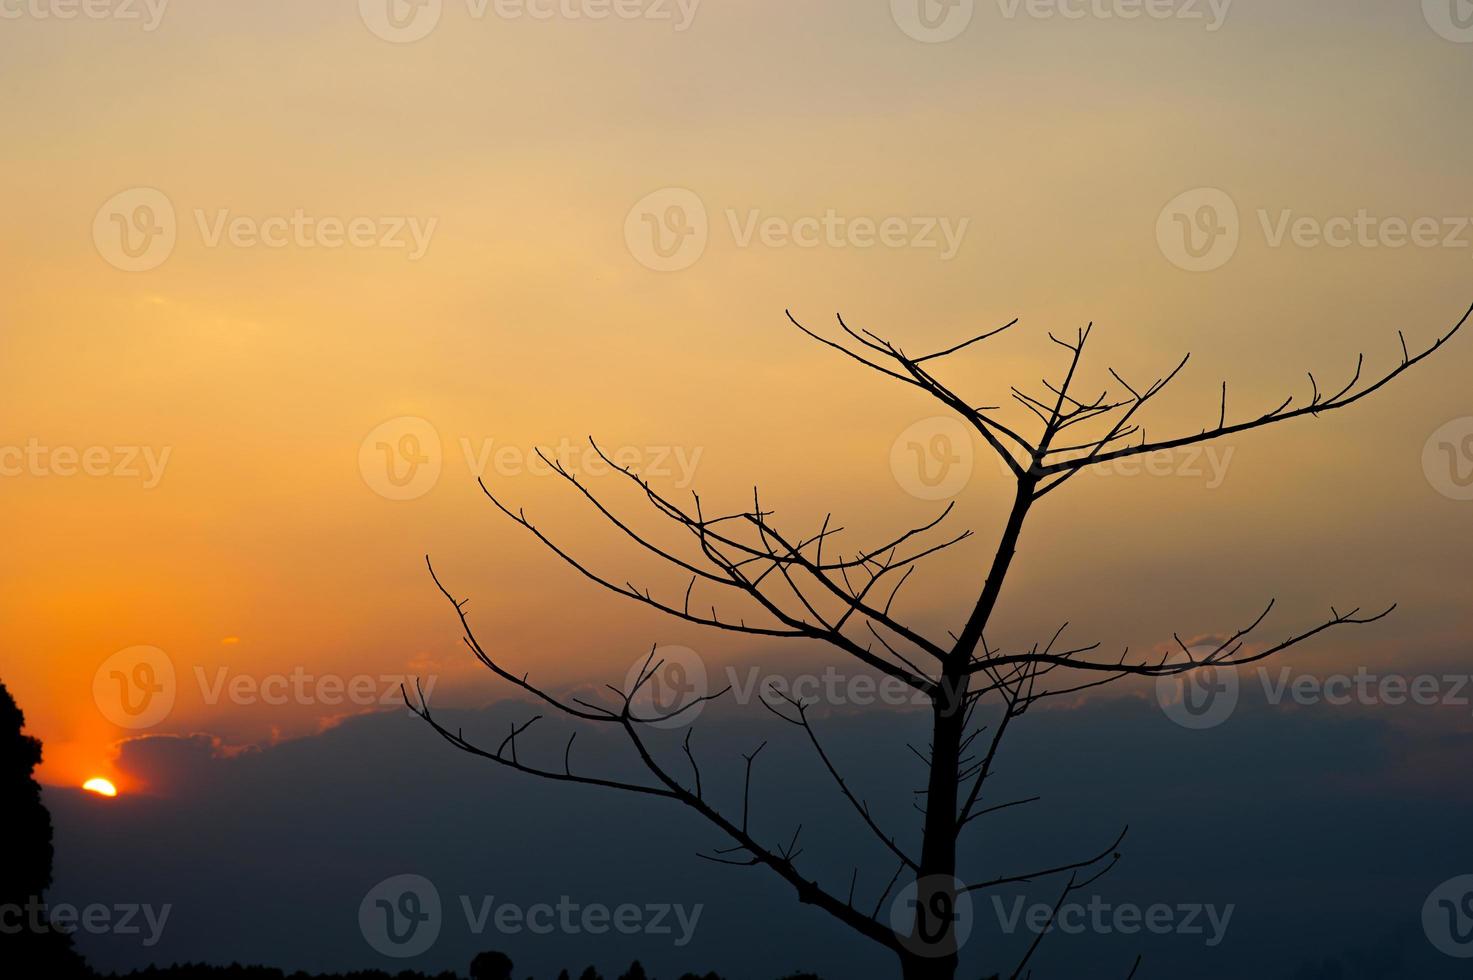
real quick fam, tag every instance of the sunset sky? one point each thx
(247, 384)
(285, 279)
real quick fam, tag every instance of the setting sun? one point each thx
(100, 786)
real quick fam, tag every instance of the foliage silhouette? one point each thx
(35, 948)
(491, 965)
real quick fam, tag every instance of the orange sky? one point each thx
(517, 147)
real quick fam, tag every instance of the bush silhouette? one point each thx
(36, 949)
(491, 965)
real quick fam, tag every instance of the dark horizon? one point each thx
(1268, 856)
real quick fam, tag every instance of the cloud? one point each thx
(166, 764)
(266, 854)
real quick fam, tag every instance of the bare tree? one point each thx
(798, 586)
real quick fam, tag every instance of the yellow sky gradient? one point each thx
(528, 321)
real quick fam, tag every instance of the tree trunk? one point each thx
(921, 968)
(932, 948)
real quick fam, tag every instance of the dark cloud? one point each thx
(170, 764)
(1282, 813)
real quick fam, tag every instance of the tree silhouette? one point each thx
(491, 965)
(28, 943)
(798, 586)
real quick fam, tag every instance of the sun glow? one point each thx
(100, 786)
